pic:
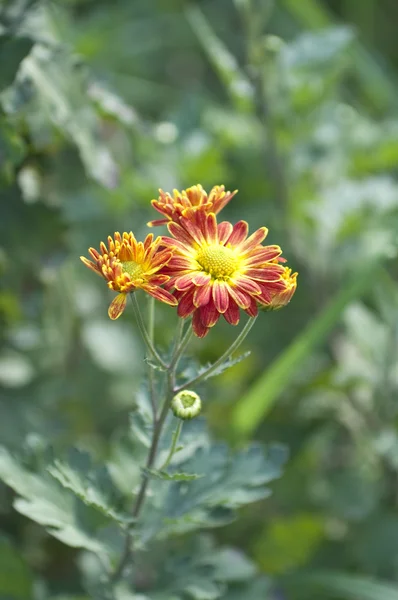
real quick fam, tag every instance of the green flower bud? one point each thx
(186, 405)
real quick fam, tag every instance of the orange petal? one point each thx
(117, 306)
(90, 265)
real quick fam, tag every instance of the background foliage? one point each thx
(294, 103)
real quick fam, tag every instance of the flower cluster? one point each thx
(209, 269)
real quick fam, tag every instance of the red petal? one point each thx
(161, 295)
(220, 296)
(186, 305)
(209, 314)
(224, 231)
(157, 221)
(211, 229)
(184, 282)
(252, 310)
(254, 240)
(239, 233)
(201, 278)
(247, 285)
(198, 328)
(202, 295)
(262, 255)
(241, 298)
(117, 306)
(269, 273)
(232, 313)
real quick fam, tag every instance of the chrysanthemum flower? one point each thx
(281, 297)
(188, 201)
(128, 265)
(216, 270)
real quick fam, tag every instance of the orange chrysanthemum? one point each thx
(216, 270)
(281, 297)
(128, 265)
(188, 201)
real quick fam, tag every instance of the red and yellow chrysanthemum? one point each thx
(216, 269)
(187, 202)
(128, 265)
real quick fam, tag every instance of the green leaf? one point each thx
(231, 480)
(12, 52)
(256, 403)
(348, 587)
(15, 578)
(172, 476)
(64, 516)
(231, 362)
(94, 486)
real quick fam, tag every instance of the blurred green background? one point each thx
(294, 103)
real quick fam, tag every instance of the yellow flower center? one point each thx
(220, 262)
(134, 269)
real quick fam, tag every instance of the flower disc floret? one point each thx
(188, 201)
(217, 270)
(128, 265)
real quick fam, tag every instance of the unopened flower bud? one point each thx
(186, 405)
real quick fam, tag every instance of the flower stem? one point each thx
(176, 437)
(151, 374)
(182, 345)
(157, 431)
(144, 333)
(233, 347)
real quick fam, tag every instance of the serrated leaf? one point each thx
(64, 516)
(231, 362)
(172, 476)
(94, 486)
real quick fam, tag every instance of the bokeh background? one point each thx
(294, 103)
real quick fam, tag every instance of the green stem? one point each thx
(144, 333)
(234, 346)
(151, 374)
(176, 437)
(181, 347)
(159, 422)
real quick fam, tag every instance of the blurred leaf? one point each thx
(58, 82)
(15, 578)
(348, 587)
(43, 500)
(224, 62)
(12, 51)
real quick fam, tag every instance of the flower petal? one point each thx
(202, 295)
(267, 273)
(117, 306)
(211, 230)
(262, 255)
(239, 233)
(90, 265)
(241, 298)
(252, 310)
(198, 328)
(160, 294)
(232, 315)
(254, 240)
(224, 231)
(209, 314)
(186, 306)
(201, 278)
(220, 296)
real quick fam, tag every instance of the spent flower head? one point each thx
(128, 265)
(216, 269)
(187, 202)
